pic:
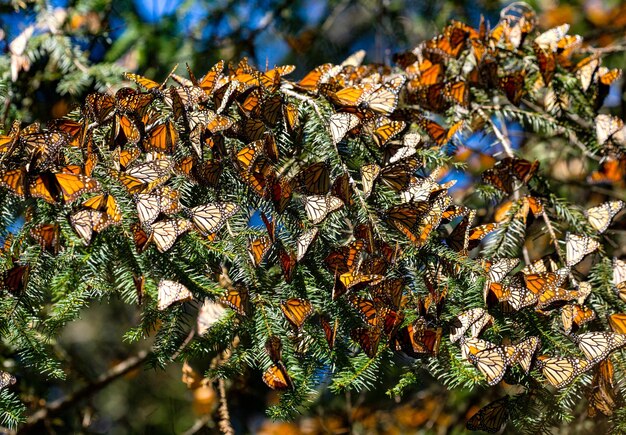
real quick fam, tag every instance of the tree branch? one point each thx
(100, 383)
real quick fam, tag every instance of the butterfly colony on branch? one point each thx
(336, 167)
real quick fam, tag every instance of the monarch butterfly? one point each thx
(252, 104)
(602, 396)
(505, 294)
(123, 158)
(47, 235)
(274, 348)
(521, 296)
(609, 127)
(427, 74)
(139, 282)
(199, 172)
(457, 93)
(577, 247)
(416, 340)
(124, 131)
(584, 290)
(165, 233)
(315, 179)
(318, 207)
(276, 377)
(43, 148)
(61, 187)
(211, 78)
(320, 74)
(237, 298)
(489, 359)
(290, 115)
(352, 279)
(491, 417)
(162, 138)
(170, 292)
(397, 152)
(296, 311)
(611, 171)
(522, 353)
(369, 173)
(399, 176)
(546, 60)
(340, 124)
(6, 379)
(330, 332)
(407, 215)
(497, 271)
(567, 44)
(546, 264)
(140, 237)
(144, 177)
(519, 209)
(390, 291)
(619, 277)
(107, 204)
(574, 316)
(99, 107)
(86, 222)
(458, 240)
(367, 339)
(539, 283)
(600, 217)
(288, 262)
(272, 109)
(385, 130)
(162, 200)
(554, 297)
(370, 311)
(8, 142)
(503, 172)
(258, 248)
(304, 241)
(130, 101)
(382, 99)
(270, 80)
(419, 235)
(561, 371)
(209, 314)
(343, 259)
(476, 318)
(549, 39)
(147, 83)
(15, 279)
(183, 98)
(596, 346)
(207, 120)
(210, 218)
(585, 71)
(618, 323)
(607, 77)
(437, 133)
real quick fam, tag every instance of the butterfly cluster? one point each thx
(363, 247)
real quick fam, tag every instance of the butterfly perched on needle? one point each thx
(491, 417)
(296, 311)
(578, 247)
(600, 216)
(318, 207)
(171, 292)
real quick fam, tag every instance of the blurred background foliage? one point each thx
(56, 52)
